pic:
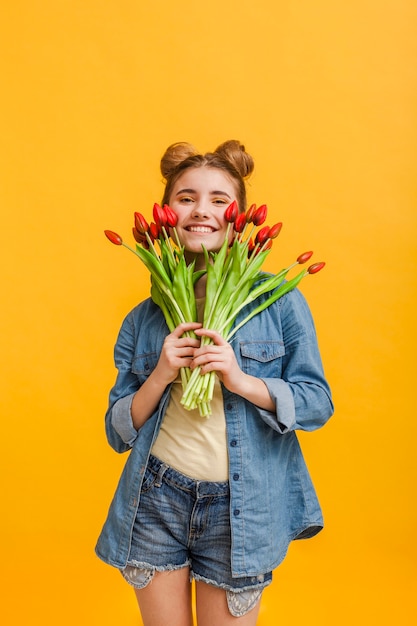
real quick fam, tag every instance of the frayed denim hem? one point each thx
(239, 601)
(139, 575)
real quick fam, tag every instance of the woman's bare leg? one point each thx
(212, 608)
(167, 599)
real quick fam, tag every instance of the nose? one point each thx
(201, 210)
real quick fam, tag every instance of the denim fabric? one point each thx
(272, 498)
(184, 522)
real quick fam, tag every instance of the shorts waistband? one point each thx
(199, 487)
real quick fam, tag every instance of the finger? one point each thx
(211, 334)
(185, 327)
(190, 342)
(209, 357)
(213, 366)
(186, 351)
(208, 352)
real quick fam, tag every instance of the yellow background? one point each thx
(323, 94)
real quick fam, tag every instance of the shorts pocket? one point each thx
(149, 480)
(138, 577)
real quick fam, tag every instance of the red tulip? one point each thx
(240, 223)
(172, 217)
(138, 236)
(262, 235)
(250, 212)
(303, 258)
(141, 239)
(231, 212)
(141, 224)
(316, 267)
(113, 237)
(259, 215)
(159, 216)
(275, 230)
(154, 230)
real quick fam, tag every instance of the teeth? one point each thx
(200, 229)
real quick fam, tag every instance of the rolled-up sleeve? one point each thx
(302, 395)
(119, 426)
(121, 420)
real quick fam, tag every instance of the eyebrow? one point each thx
(216, 192)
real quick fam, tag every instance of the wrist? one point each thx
(254, 390)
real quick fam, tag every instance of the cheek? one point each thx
(180, 212)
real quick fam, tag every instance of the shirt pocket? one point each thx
(262, 358)
(144, 364)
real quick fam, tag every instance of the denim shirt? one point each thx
(272, 498)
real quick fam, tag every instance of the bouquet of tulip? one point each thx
(234, 280)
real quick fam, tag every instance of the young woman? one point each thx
(214, 500)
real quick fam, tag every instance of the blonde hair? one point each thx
(230, 157)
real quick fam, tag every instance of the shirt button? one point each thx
(236, 512)
(235, 476)
(233, 443)
(229, 407)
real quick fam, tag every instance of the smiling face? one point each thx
(200, 197)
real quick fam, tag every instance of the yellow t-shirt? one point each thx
(191, 444)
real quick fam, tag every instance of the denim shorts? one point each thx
(182, 522)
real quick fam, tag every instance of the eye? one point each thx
(220, 201)
(186, 200)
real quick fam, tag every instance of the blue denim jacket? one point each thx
(273, 500)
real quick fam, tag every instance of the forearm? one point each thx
(146, 399)
(254, 390)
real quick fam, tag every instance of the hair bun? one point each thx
(234, 152)
(174, 155)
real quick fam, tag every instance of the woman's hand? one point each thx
(177, 351)
(220, 357)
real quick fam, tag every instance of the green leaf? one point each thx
(153, 264)
(180, 291)
(278, 293)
